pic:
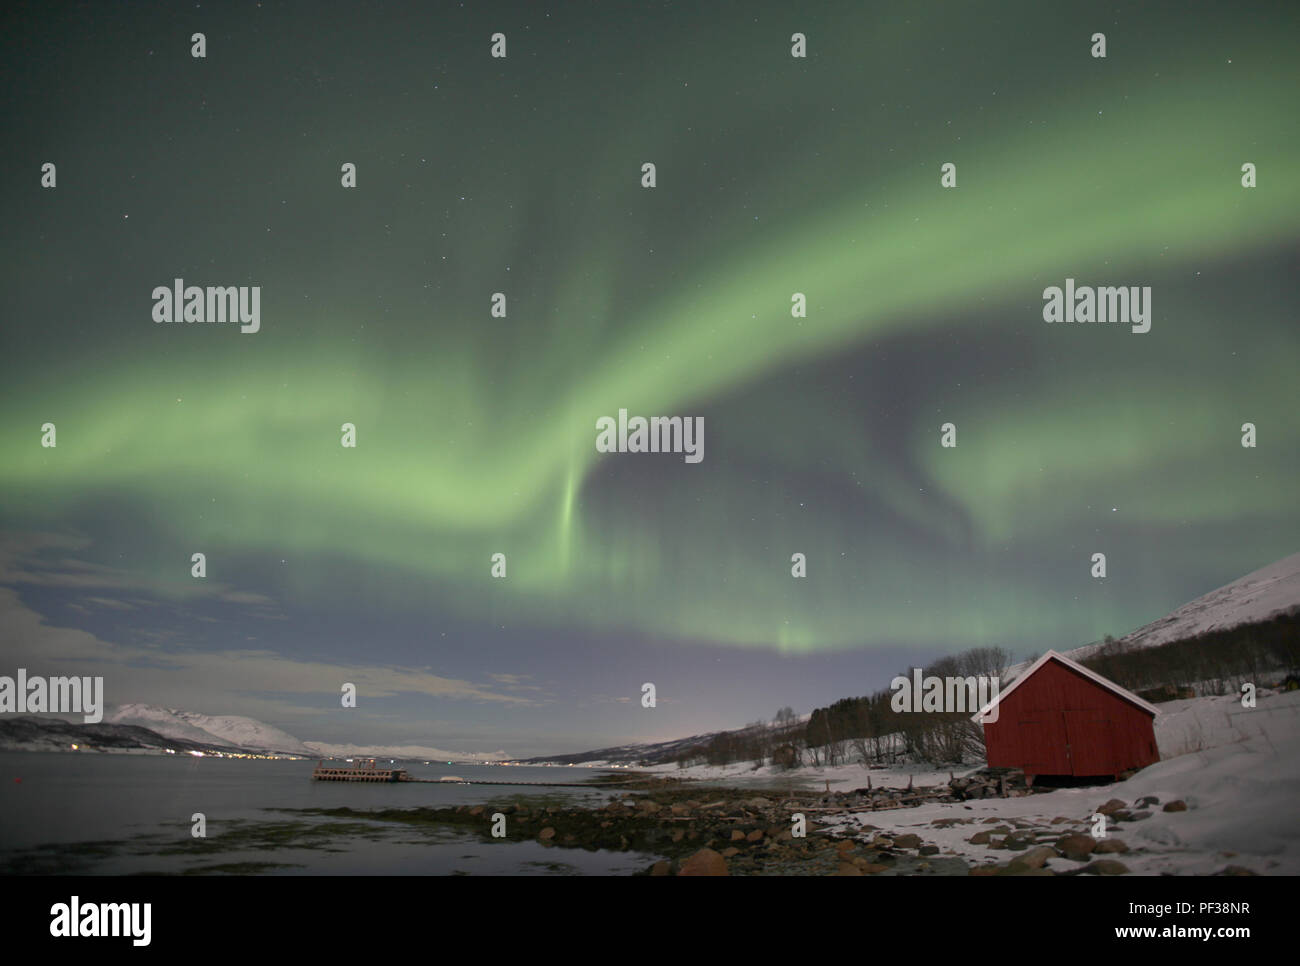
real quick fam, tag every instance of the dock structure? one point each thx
(361, 771)
(367, 770)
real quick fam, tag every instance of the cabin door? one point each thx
(1090, 738)
(1043, 743)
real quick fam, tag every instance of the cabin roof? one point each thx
(1093, 676)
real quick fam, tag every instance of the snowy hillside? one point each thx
(1255, 597)
(230, 730)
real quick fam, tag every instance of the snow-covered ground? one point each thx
(1237, 770)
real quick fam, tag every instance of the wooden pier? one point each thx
(361, 771)
(367, 770)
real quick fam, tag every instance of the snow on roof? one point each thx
(1106, 683)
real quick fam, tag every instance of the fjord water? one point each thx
(122, 814)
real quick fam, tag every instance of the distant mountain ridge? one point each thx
(229, 730)
(33, 733)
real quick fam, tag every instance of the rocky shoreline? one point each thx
(713, 830)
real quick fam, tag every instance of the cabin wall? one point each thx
(1060, 722)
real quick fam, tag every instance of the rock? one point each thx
(1112, 806)
(1111, 845)
(1059, 819)
(1017, 842)
(476, 810)
(873, 868)
(678, 834)
(882, 842)
(1178, 805)
(755, 836)
(847, 868)
(737, 835)
(680, 810)
(1146, 800)
(979, 838)
(649, 807)
(908, 841)
(705, 862)
(546, 834)
(845, 845)
(929, 850)
(1035, 858)
(1077, 847)
(662, 867)
(1236, 870)
(1122, 815)
(1105, 867)
(730, 851)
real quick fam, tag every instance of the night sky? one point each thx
(476, 434)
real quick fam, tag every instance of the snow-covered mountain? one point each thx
(224, 729)
(1258, 596)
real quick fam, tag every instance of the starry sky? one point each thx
(476, 434)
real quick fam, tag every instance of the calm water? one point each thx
(121, 814)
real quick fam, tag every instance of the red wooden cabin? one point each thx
(1059, 718)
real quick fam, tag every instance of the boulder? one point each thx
(705, 862)
(1112, 806)
(1178, 805)
(908, 841)
(1110, 845)
(1035, 858)
(1016, 842)
(1077, 847)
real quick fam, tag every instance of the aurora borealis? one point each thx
(475, 434)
